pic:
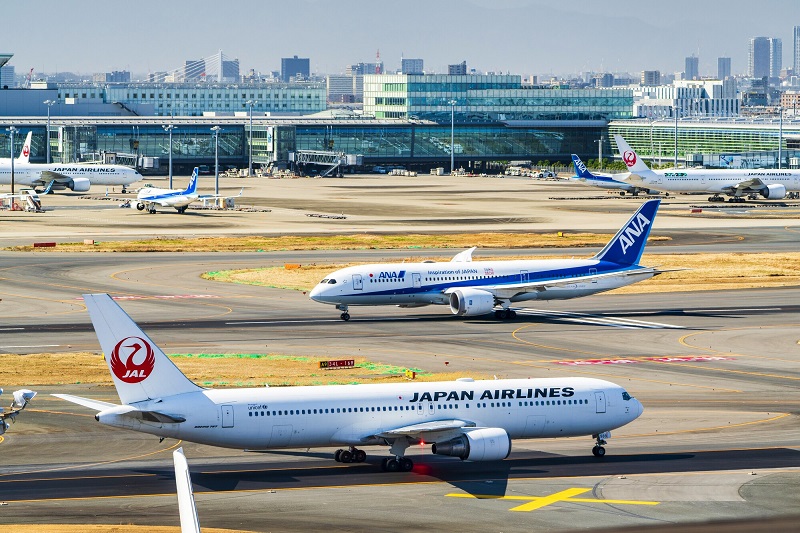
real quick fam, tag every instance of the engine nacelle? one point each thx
(79, 184)
(471, 302)
(775, 191)
(487, 444)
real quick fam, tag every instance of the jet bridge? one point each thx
(334, 161)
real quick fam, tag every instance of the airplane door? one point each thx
(281, 435)
(430, 409)
(593, 272)
(416, 280)
(600, 401)
(358, 282)
(227, 416)
(534, 426)
(524, 277)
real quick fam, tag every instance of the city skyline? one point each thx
(517, 36)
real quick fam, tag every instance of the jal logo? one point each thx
(26, 150)
(132, 359)
(629, 157)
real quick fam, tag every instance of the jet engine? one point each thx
(471, 302)
(775, 191)
(486, 444)
(79, 184)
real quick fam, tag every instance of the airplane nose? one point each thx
(315, 293)
(639, 408)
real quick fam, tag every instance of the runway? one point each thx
(716, 371)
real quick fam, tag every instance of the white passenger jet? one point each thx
(148, 198)
(24, 154)
(614, 182)
(78, 177)
(479, 287)
(21, 399)
(771, 184)
(471, 420)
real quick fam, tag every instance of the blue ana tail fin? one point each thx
(192, 182)
(628, 244)
(580, 169)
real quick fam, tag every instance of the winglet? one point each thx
(186, 505)
(628, 244)
(630, 157)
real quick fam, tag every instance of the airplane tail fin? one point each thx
(630, 157)
(580, 168)
(193, 182)
(25, 153)
(628, 244)
(140, 370)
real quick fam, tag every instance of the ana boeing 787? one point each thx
(473, 288)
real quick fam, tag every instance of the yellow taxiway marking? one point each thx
(537, 502)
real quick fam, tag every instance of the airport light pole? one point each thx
(168, 128)
(12, 130)
(216, 130)
(250, 103)
(49, 104)
(600, 152)
(780, 137)
(452, 134)
(675, 108)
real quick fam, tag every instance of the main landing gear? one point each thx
(350, 455)
(598, 450)
(505, 314)
(345, 315)
(397, 464)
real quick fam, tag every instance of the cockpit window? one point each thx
(626, 396)
(331, 281)
(323, 281)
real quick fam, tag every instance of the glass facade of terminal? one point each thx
(482, 98)
(711, 142)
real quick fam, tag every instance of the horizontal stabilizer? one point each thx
(97, 405)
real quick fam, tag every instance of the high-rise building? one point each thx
(360, 69)
(294, 67)
(796, 64)
(723, 67)
(651, 78)
(7, 76)
(411, 66)
(692, 70)
(758, 58)
(775, 57)
(459, 69)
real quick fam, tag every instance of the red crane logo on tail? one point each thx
(26, 150)
(128, 370)
(629, 157)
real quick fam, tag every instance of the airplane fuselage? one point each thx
(426, 283)
(33, 174)
(715, 181)
(261, 418)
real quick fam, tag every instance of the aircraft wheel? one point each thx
(345, 457)
(385, 464)
(337, 455)
(512, 313)
(406, 464)
(598, 451)
(359, 456)
(140, 206)
(345, 316)
(392, 465)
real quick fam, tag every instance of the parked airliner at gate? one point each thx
(473, 288)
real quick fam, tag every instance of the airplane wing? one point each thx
(424, 429)
(214, 196)
(748, 186)
(49, 175)
(506, 291)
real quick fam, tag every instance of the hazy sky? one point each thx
(520, 36)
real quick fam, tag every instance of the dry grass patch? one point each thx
(108, 528)
(209, 370)
(362, 241)
(702, 272)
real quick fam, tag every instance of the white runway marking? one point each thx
(34, 346)
(613, 321)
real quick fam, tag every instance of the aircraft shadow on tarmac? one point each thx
(488, 478)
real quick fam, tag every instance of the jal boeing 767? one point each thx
(468, 419)
(474, 288)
